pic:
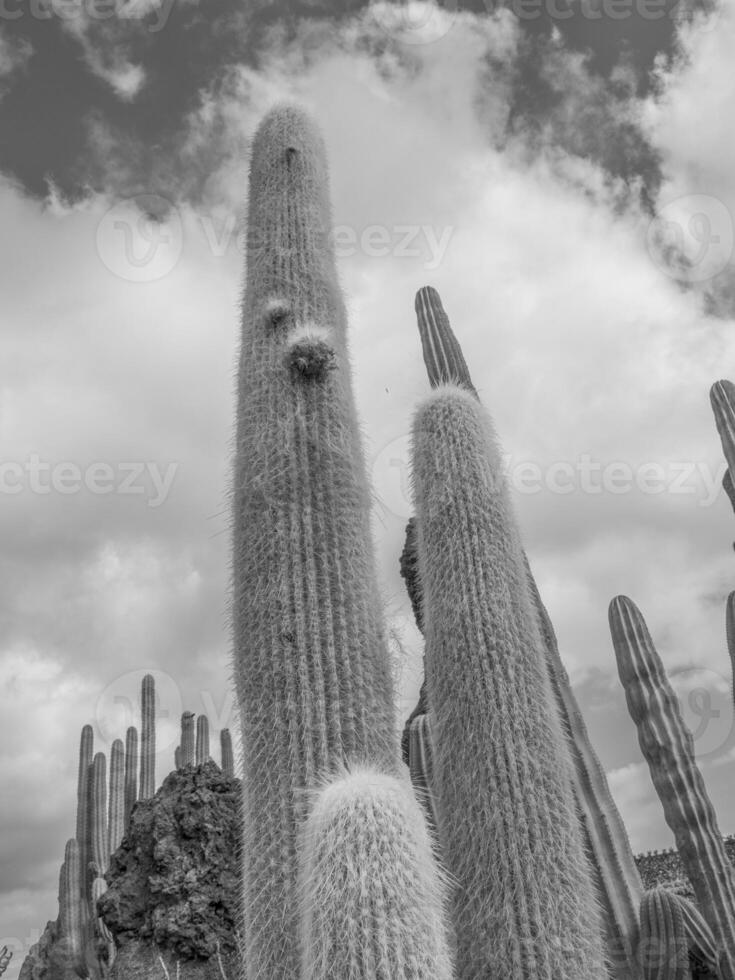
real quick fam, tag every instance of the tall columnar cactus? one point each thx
(73, 917)
(116, 812)
(188, 740)
(524, 907)
(722, 399)
(373, 902)
(148, 739)
(86, 749)
(311, 660)
(202, 741)
(668, 748)
(131, 771)
(100, 854)
(606, 842)
(228, 758)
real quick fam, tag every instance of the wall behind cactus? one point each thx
(579, 341)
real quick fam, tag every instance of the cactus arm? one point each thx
(116, 812)
(188, 739)
(372, 898)
(85, 760)
(148, 739)
(227, 755)
(611, 858)
(668, 748)
(131, 771)
(311, 660)
(524, 908)
(202, 740)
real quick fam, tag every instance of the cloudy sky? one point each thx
(560, 170)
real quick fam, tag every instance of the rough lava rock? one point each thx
(174, 882)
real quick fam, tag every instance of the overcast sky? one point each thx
(560, 171)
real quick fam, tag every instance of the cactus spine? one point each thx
(148, 739)
(73, 909)
(668, 748)
(228, 760)
(202, 741)
(116, 813)
(86, 748)
(311, 661)
(131, 771)
(524, 908)
(188, 743)
(421, 767)
(372, 898)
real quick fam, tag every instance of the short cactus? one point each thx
(188, 739)
(372, 899)
(227, 755)
(202, 740)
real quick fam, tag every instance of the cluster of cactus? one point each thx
(104, 809)
(509, 858)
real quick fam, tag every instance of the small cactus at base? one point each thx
(372, 898)
(73, 918)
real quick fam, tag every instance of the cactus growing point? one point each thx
(524, 907)
(372, 898)
(311, 659)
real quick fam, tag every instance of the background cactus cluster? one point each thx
(485, 843)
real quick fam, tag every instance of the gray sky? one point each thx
(563, 181)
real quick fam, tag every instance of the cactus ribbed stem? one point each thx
(443, 357)
(148, 739)
(730, 634)
(202, 741)
(524, 908)
(100, 851)
(729, 488)
(86, 750)
(228, 758)
(613, 866)
(73, 909)
(116, 813)
(722, 399)
(131, 771)
(178, 763)
(372, 896)
(664, 945)
(188, 739)
(668, 748)
(310, 653)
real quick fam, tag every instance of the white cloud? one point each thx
(14, 54)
